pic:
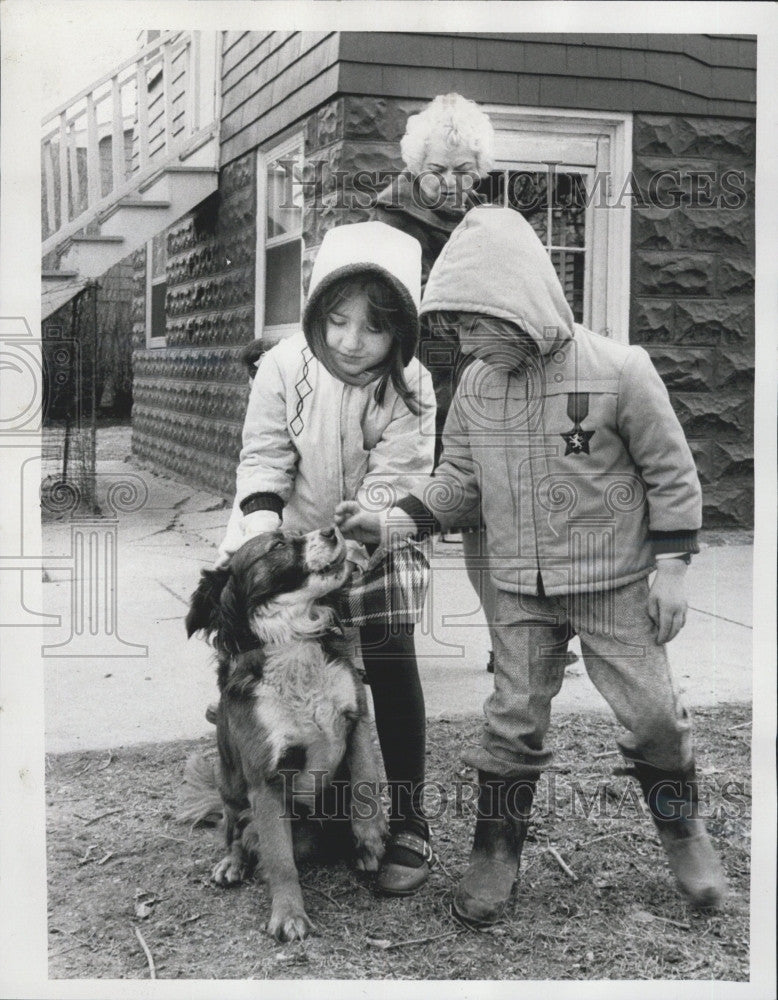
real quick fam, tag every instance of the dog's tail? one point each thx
(199, 801)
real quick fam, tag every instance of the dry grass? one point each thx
(119, 863)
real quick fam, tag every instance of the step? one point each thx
(102, 238)
(176, 168)
(184, 187)
(140, 203)
(92, 256)
(131, 215)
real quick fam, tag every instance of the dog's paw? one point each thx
(368, 845)
(229, 871)
(289, 923)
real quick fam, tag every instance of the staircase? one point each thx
(126, 158)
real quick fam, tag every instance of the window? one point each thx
(565, 171)
(156, 290)
(279, 240)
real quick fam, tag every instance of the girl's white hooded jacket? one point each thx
(310, 440)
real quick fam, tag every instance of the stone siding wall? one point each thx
(346, 137)
(693, 294)
(190, 396)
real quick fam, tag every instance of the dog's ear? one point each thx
(204, 608)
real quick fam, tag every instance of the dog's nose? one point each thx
(328, 532)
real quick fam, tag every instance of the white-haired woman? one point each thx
(446, 148)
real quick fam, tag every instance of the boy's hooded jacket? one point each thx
(309, 439)
(567, 444)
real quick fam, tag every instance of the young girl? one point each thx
(343, 411)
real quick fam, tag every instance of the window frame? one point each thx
(270, 335)
(151, 341)
(606, 137)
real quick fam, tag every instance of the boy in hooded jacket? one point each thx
(566, 443)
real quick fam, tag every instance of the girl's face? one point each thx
(354, 344)
(448, 170)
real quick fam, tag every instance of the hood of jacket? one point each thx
(370, 248)
(495, 265)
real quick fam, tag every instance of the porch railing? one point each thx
(102, 145)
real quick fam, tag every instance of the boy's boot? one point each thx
(504, 806)
(673, 803)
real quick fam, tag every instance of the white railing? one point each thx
(105, 142)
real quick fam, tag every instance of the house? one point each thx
(633, 156)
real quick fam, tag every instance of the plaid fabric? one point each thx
(392, 588)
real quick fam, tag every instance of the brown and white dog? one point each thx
(292, 717)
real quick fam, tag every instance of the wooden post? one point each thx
(74, 359)
(75, 179)
(117, 139)
(51, 198)
(92, 469)
(193, 83)
(64, 191)
(142, 89)
(167, 86)
(93, 185)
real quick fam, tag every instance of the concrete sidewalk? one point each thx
(126, 694)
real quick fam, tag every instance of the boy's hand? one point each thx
(354, 522)
(387, 527)
(667, 599)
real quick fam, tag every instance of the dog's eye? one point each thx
(278, 545)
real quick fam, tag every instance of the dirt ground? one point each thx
(595, 900)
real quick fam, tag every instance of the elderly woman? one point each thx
(446, 148)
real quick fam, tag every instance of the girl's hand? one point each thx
(357, 523)
(667, 599)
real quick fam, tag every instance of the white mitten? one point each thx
(233, 537)
(259, 521)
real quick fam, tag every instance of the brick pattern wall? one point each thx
(692, 297)
(190, 396)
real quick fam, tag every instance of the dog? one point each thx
(292, 721)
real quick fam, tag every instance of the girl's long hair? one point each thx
(385, 313)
